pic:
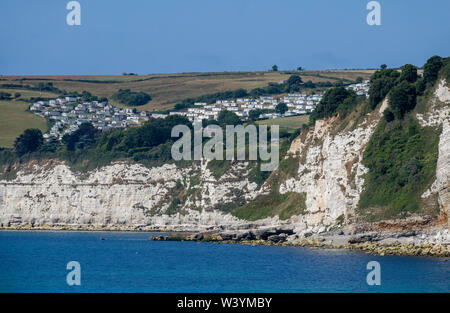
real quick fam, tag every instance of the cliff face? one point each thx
(131, 196)
(439, 115)
(124, 196)
(331, 174)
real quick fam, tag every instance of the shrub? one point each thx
(420, 86)
(409, 73)
(5, 95)
(131, 98)
(381, 83)
(388, 115)
(402, 99)
(228, 118)
(29, 141)
(335, 100)
(281, 108)
(431, 69)
(83, 137)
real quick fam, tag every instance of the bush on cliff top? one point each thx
(334, 101)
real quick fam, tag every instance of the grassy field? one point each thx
(289, 123)
(166, 90)
(26, 94)
(341, 74)
(169, 89)
(14, 119)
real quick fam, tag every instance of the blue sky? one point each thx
(166, 36)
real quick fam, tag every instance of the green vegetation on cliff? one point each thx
(275, 203)
(335, 101)
(88, 148)
(401, 157)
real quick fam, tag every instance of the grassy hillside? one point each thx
(401, 157)
(165, 89)
(14, 119)
(274, 203)
(290, 123)
(26, 95)
(169, 89)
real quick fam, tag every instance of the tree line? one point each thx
(292, 85)
(131, 98)
(402, 88)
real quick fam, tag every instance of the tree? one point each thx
(131, 98)
(88, 97)
(402, 99)
(47, 87)
(335, 100)
(5, 95)
(388, 115)
(50, 146)
(383, 66)
(309, 84)
(228, 118)
(82, 138)
(431, 69)
(294, 80)
(300, 68)
(240, 93)
(281, 108)
(420, 86)
(253, 115)
(381, 83)
(275, 68)
(293, 84)
(409, 73)
(29, 141)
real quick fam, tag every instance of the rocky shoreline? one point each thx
(89, 227)
(434, 242)
(404, 243)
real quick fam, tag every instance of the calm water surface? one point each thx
(128, 262)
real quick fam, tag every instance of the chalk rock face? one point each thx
(442, 92)
(127, 195)
(439, 115)
(330, 172)
(130, 196)
(332, 175)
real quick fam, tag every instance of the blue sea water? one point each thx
(128, 262)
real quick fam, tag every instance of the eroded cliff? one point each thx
(123, 195)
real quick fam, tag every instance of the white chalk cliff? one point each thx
(131, 196)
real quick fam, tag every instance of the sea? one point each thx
(41, 261)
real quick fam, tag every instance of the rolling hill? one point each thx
(169, 89)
